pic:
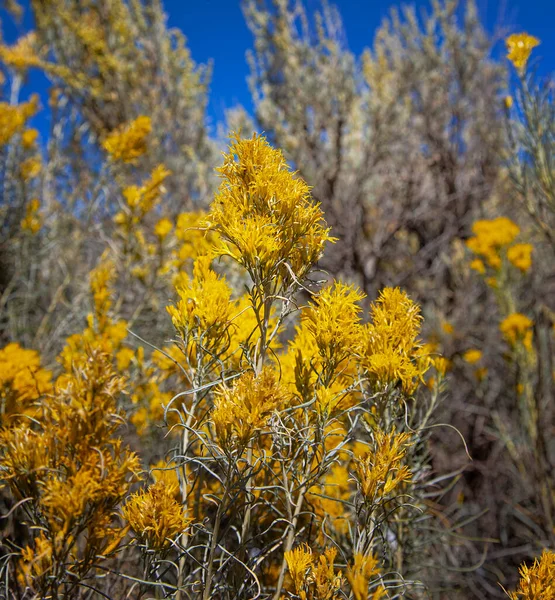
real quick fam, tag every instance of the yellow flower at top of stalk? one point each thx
(129, 142)
(163, 228)
(28, 138)
(519, 47)
(538, 581)
(520, 256)
(265, 215)
(490, 236)
(517, 328)
(299, 561)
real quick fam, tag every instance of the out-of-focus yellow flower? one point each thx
(517, 328)
(30, 168)
(32, 221)
(478, 266)
(155, 516)
(508, 102)
(22, 54)
(129, 142)
(22, 381)
(520, 255)
(538, 581)
(447, 328)
(490, 236)
(28, 138)
(519, 47)
(13, 118)
(163, 228)
(481, 373)
(472, 356)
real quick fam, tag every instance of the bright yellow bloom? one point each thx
(517, 327)
(391, 351)
(129, 142)
(333, 319)
(519, 47)
(265, 215)
(472, 356)
(508, 102)
(359, 575)
(155, 516)
(478, 266)
(245, 408)
(490, 236)
(381, 471)
(299, 560)
(538, 581)
(520, 255)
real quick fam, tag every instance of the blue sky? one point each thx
(216, 31)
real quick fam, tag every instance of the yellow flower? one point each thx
(299, 560)
(490, 236)
(129, 142)
(359, 575)
(163, 228)
(245, 408)
(28, 138)
(519, 47)
(265, 215)
(472, 356)
(32, 221)
(380, 471)
(447, 328)
(478, 266)
(13, 118)
(155, 516)
(538, 581)
(508, 102)
(517, 327)
(22, 54)
(520, 256)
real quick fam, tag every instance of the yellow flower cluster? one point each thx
(380, 471)
(490, 236)
(155, 516)
(129, 142)
(472, 356)
(314, 579)
(13, 118)
(245, 408)
(517, 328)
(538, 581)
(102, 332)
(140, 200)
(360, 575)
(30, 168)
(391, 352)
(29, 138)
(333, 320)
(519, 47)
(71, 468)
(265, 216)
(520, 256)
(22, 382)
(22, 54)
